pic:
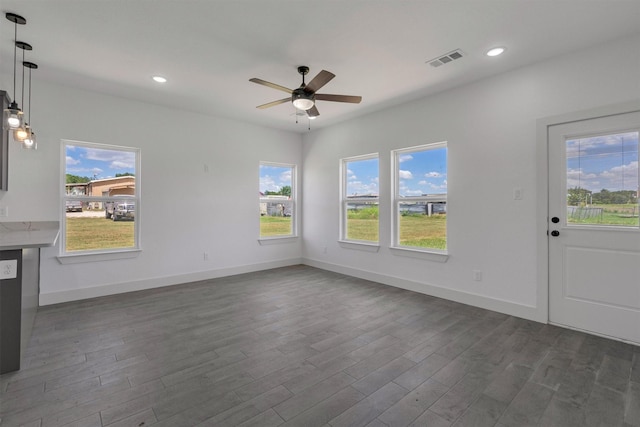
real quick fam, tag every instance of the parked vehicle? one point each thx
(73, 206)
(121, 207)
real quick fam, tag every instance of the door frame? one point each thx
(542, 184)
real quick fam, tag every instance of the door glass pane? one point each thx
(602, 180)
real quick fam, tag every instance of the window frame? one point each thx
(71, 257)
(345, 200)
(265, 240)
(414, 251)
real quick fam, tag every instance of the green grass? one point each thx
(424, 231)
(362, 224)
(275, 226)
(85, 234)
(362, 229)
(415, 230)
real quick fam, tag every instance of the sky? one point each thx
(420, 172)
(273, 178)
(97, 163)
(609, 161)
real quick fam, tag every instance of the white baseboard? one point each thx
(493, 304)
(158, 282)
(501, 306)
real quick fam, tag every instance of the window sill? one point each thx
(420, 254)
(360, 246)
(265, 241)
(101, 256)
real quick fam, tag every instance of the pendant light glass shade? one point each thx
(13, 117)
(30, 142)
(22, 133)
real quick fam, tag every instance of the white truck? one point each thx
(121, 207)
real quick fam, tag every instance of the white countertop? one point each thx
(28, 234)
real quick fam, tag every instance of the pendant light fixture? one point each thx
(13, 118)
(20, 134)
(29, 142)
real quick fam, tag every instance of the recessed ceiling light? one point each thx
(496, 51)
(159, 79)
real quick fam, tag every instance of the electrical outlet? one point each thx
(324, 250)
(4, 211)
(8, 269)
(205, 256)
(206, 168)
(477, 275)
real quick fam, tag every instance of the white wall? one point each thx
(185, 211)
(490, 127)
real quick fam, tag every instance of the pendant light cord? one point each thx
(15, 56)
(29, 94)
(22, 77)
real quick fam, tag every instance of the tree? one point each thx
(286, 191)
(578, 196)
(75, 179)
(124, 174)
(620, 197)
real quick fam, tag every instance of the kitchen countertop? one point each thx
(28, 234)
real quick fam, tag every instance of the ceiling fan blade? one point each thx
(271, 85)
(313, 112)
(274, 103)
(318, 81)
(338, 98)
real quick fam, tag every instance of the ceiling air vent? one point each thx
(448, 57)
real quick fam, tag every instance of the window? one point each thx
(602, 180)
(420, 198)
(359, 207)
(100, 198)
(277, 200)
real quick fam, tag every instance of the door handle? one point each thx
(555, 220)
(555, 233)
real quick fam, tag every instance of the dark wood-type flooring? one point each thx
(299, 346)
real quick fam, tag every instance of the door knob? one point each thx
(555, 220)
(555, 233)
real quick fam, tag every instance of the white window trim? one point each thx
(412, 251)
(345, 242)
(65, 257)
(284, 238)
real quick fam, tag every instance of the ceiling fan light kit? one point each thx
(305, 97)
(302, 100)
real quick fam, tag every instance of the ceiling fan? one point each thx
(305, 96)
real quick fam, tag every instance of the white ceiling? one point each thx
(209, 49)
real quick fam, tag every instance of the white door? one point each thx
(594, 230)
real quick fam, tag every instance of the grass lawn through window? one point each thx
(416, 230)
(271, 226)
(84, 234)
